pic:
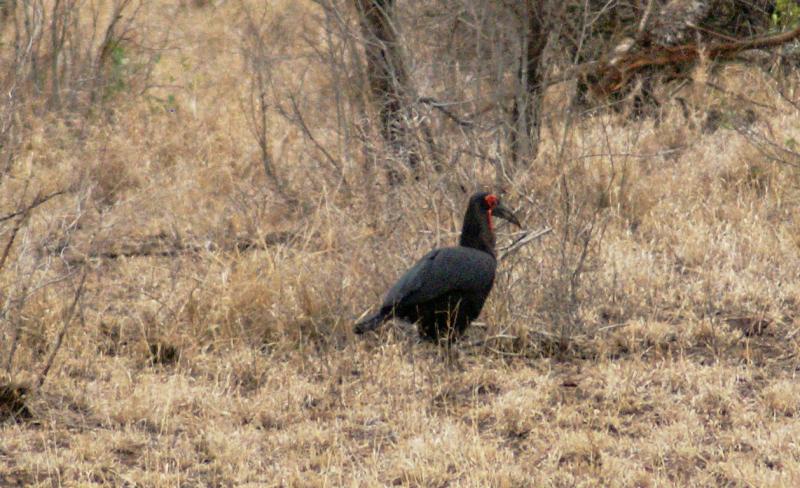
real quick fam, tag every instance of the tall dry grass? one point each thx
(649, 340)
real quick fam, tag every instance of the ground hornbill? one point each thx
(444, 292)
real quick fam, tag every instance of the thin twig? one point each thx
(525, 239)
(485, 340)
(739, 96)
(14, 231)
(643, 23)
(759, 142)
(36, 202)
(665, 152)
(613, 326)
(67, 320)
(433, 103)
(300, 121)
(15, 329)
(21, 215)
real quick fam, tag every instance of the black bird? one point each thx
(445, 291)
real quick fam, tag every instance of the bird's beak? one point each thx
(505, 213)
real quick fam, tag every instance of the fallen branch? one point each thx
(159, 246)
(611, 75)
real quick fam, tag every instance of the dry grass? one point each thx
(223, 366)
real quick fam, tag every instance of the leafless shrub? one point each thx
(262, 56)
(64, 57)
(262, 41)
(34, 273)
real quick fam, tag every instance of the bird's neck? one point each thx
(477, 232)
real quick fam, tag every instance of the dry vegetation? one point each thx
(205, 304)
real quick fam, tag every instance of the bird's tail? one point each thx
(370, 323)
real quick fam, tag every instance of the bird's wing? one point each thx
(442, 271)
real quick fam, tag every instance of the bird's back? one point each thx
(443, 271)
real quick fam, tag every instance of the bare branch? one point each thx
(525, 239)
(39, 200)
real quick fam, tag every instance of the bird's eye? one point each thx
(491, 201)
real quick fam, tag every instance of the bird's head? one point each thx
(478, 229)
(490, 205)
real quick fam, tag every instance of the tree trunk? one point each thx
(389, 83)
(526, 112)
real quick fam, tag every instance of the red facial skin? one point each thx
(491, 201)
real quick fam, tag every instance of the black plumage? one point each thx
(446, 289)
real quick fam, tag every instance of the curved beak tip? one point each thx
(505, 213)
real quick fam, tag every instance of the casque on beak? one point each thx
(506, 214)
